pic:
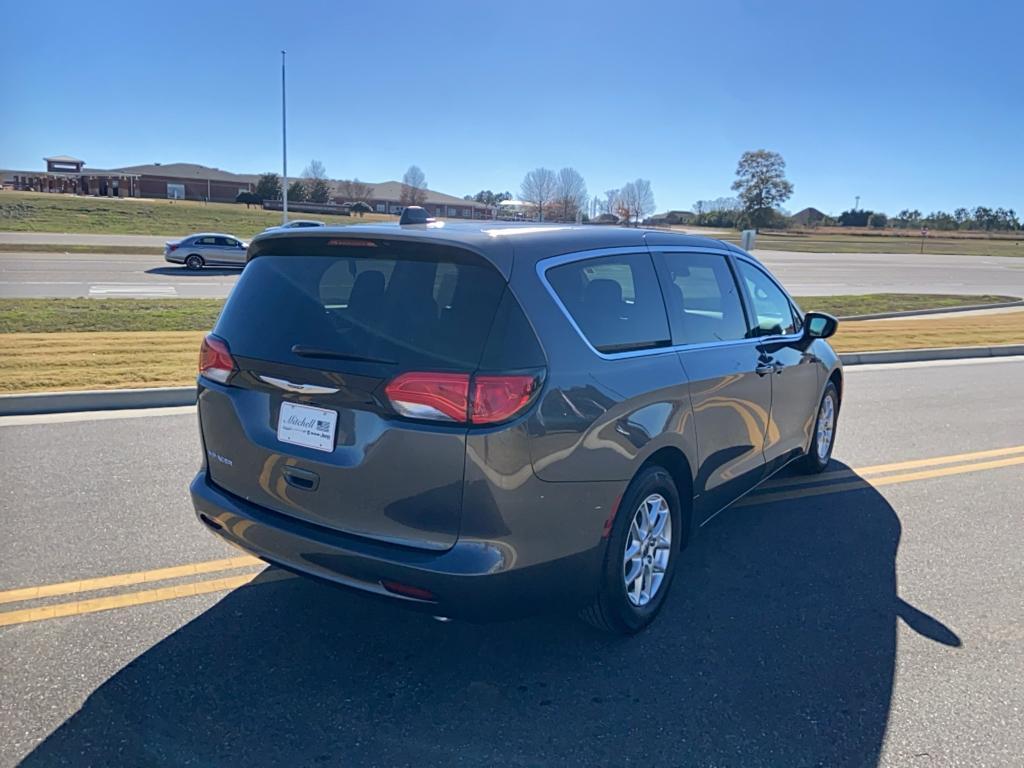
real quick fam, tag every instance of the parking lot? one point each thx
(869, 616)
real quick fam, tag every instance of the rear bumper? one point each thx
(174, 259)
(475, 580)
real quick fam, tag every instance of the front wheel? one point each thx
(641, 555)
(824, 438)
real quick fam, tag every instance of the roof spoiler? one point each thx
(415, 214)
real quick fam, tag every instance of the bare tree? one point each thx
(414, 187)
(570, 193)
(609, 203)
(315, 170)
(316, 182)
(354, 191)
(538, 188)
(636, 200)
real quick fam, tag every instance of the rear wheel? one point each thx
(824, 438)
(641, 556)
(194, 261)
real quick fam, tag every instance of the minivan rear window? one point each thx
(615, 300)
(404, 305)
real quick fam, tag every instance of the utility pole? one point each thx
(284, 150)
(856, 204)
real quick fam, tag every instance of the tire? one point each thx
(816, 458)
(620, 610)
(194, 261)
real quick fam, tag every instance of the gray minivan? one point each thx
(484, 420)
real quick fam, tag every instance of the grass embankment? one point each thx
(143, 250)
(920, 333)
(107, 315)
(53, 344)
(40, 212)
(40, 362)
(875, 303)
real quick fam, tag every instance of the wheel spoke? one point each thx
(635, 567)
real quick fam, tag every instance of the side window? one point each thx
(615, 300)
(703, 298)
(207, 241)
(773, 313)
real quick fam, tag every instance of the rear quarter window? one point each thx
(615, 301)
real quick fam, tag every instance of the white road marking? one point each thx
(132, 288)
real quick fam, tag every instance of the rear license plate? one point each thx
(307, 426)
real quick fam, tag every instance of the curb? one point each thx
(935, 353)
(169, 397)
(96, 400)
(935, 311)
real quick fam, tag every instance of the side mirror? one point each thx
(820, 325)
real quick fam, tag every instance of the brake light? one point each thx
(215, 360)
(496, 398)
(459, 397)
(436, 396)
(172, 247)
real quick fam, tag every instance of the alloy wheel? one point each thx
(648, 549)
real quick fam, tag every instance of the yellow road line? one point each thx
(142, 597)
(201, 587)
(127, 579)
(820, 490)
(878, 469)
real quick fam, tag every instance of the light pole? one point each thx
(856, 204)
(284, 150)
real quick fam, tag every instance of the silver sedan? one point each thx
(206, 249)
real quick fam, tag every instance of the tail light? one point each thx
(172, 247)
(497, 398)
(461, 397)
(215, 360)
(435, 396)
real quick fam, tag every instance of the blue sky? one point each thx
(907, 104)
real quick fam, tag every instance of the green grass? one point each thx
(144, 250)
(40, 212)
(872, 303)
(59, 315)
(860, 242)
(112, 315)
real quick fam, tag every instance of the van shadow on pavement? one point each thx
(776, 648)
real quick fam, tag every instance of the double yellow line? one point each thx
(192, 586)
(879, 475)
(190, 582)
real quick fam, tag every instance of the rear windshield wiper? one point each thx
(303, 350)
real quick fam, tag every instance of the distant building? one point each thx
(671, 218)
(190, 181)
(808, 217)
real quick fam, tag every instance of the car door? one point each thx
(784, 346)
(208, 249)
(730, 388)
(231, 251)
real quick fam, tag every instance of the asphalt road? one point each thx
(840, 624)
(41, 275)
(804, 274)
